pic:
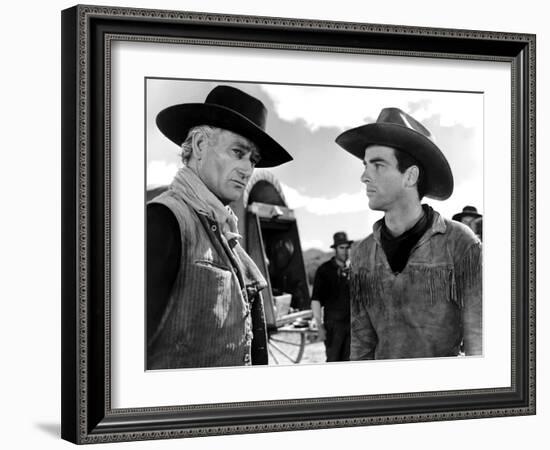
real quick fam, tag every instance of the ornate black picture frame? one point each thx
(87, 413)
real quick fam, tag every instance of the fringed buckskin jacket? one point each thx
(215, 314)
(430, 309)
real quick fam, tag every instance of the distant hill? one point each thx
(313, 258)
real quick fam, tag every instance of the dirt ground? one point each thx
(285, 346)
(314, 353)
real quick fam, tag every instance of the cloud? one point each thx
(451, 109)
(313, 243)
(345, 108)
(322, 206)
(160, 173)
(322, 182)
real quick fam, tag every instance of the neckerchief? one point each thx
(188, 185)
(195, 193)
(398, 249)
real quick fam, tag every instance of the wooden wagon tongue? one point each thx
(272, 239)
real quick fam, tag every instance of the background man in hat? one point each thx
(471, 218)
(416, 280)
(204, 306)
(331, 292)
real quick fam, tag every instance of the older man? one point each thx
(204, 307)
(416, 280)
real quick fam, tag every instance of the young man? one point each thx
(416, 280)
(204, 307)
(330, 300)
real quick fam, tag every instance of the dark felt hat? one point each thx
(228, 108)
(340, 238)
(397, 129)
(467, 211)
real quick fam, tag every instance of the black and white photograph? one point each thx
(252, 225)
(307, 224)
(291, 224)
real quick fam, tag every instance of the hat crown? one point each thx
(340, 235)
(339, 238)
(230, 109)
(471, 209)
(394, 128)
(240, 102)
(396, 116)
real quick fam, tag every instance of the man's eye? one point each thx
(238, 152)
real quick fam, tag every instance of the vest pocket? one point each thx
(211, 264)
(211, 303)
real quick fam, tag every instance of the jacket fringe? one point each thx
(366, 286)
(439, 283)
(469, 272)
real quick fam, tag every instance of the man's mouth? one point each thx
(239, 183)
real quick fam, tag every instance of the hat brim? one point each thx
(438, 181)
(458, 217)
(176, 121)
(345, 242)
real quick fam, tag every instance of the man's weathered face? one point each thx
(385, 183)
(342, 252)
(227, 164)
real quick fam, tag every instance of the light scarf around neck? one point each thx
(189, 186)
(194, 192)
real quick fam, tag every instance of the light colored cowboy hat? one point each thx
(397, 129)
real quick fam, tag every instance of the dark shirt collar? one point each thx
(438, 226)
(398, 248)
(336, 263)
(418, 229)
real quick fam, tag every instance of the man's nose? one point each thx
(246, 168)
(365, 176)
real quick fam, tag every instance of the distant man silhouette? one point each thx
(330, 300)
(470, 217)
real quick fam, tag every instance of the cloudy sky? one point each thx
(322, 183)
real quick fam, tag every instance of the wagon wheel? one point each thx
(286, 346)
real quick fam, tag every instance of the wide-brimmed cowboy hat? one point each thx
(467, 211)
(340, 238)
(228, 108)
(397, 129)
